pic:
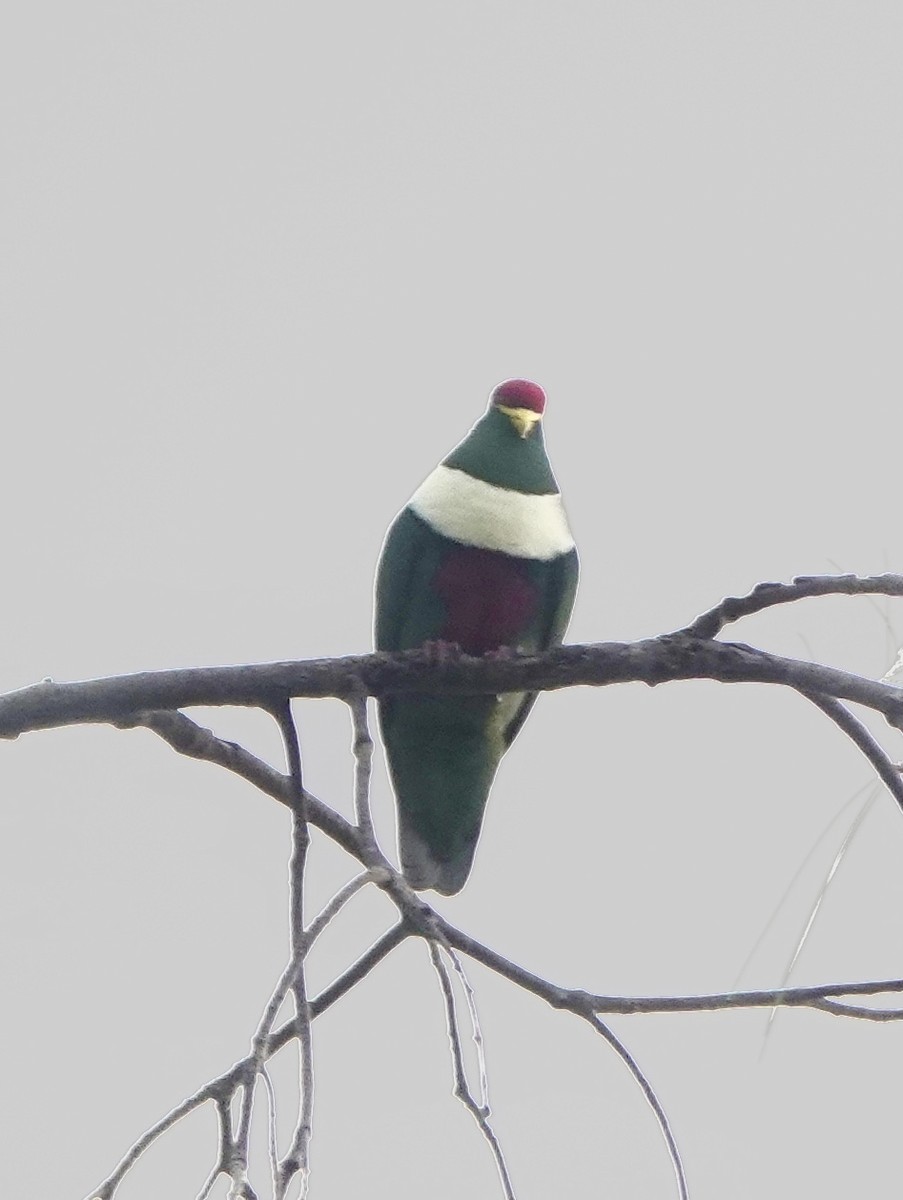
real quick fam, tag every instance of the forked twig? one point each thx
(480, 1113)
(226, 1144)
(765, 595)
(297, 1160)
(693, 652)
(475, 1027)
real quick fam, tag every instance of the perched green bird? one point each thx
(480, 560)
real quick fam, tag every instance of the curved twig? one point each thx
(297, 1160)
(583, 1002)
(764, 595)
(479, 1112)
(651, 1098)
(338, 902)
(860, 736)
(837, 1009)
(151, 700)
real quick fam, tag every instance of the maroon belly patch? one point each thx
(489, 599)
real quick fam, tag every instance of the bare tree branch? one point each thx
(187, 737)
(208, 1092)
(479, 1112)
(837, 1009)
(655, 660)
(651, 1098)
(272, 1143)
(224, 1121)
(239, 1157)
(582, 1002)
(338, 902)
(476, 1028)
(364, 965)
(765, 595)
(860, 736)
(151, 700)
(362, 749)
(297, 1160)
(239, 1154)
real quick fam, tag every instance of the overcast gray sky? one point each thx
(262, 265)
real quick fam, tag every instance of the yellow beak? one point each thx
(524, 420)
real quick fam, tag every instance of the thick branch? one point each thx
(126, 699)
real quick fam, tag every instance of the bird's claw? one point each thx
(441, 652)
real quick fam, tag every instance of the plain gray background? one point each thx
(262, 265)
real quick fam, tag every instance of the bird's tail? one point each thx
(422, 868)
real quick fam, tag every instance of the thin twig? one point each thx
(820, 997)
(272, 1143)
(769, 924)
(765, 595)
(860, 736)
(835, 865)
(297, 1160)
(476, 1029)
(288, 979)
(355, 973)
(651, 1098)
(108, 1188)
(338, 901)
(837, 1009)
(226, 1145)
(691, 653)
(581, 1002)
(209, 1183)
(462, 1090)
(239, 1159)
(260, 1041)
(187, 737)
(891, 642)
(362, 748)
(226, 1084)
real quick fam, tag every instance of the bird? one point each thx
(480, 561)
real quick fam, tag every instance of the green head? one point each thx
(506, 446)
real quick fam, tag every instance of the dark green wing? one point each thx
(559, 590)
(408, 552)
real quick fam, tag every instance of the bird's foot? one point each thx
(502, 653)
(441, 652)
